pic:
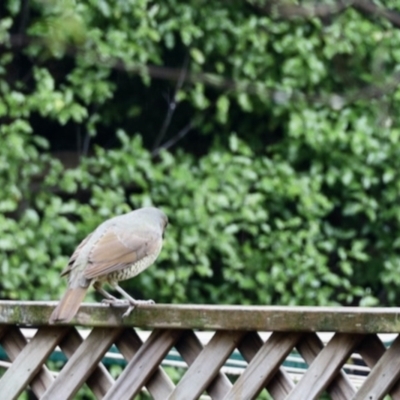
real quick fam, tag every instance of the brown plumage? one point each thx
(118, 249)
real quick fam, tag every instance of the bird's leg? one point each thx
(132, 302)
(108, 298)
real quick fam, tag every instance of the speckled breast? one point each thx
(133, 270)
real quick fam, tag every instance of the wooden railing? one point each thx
(264, 337)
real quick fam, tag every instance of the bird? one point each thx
(118, 249)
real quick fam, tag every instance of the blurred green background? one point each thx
(267, 131)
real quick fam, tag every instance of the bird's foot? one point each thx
(115, 302)
(141, 302)
(134, 303)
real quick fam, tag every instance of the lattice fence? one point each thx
(235, 328)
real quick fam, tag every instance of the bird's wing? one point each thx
(117, 249)
(74, 256)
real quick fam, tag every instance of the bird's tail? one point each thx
(68, 305)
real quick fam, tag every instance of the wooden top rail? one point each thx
(214, 317)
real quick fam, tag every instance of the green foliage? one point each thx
(285, 189)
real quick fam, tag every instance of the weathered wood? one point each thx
(325, 367)
(383, 376)
(206, 366)
(371, 349)
(189, 347)
(233, 327)
(209, 317)
(340, 388)
(100, 380)
(263, 366)
(143, 364)
(13, 343)
(280, 385)
(82, 364)
(3, 330)
(160, 384)
(29, 361)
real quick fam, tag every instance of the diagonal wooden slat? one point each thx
(189, 346)
(207, 365)
(371, 349)
(325, 366)
(280, 385)
(82, 363)
(3, 330)
(309, 347)
(263, 365)
(13, 344)
(141, 367)
(100, 380)
(160, 384)
(383, 376)
(29, 360)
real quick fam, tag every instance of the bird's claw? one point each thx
(128, 311)
(134, 303)
(142, 302)
(115, 302)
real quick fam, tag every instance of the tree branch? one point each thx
(369, 8)
(172, 103)
(289, 10)
(180, 135)
(220, 82)
(366, 7)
